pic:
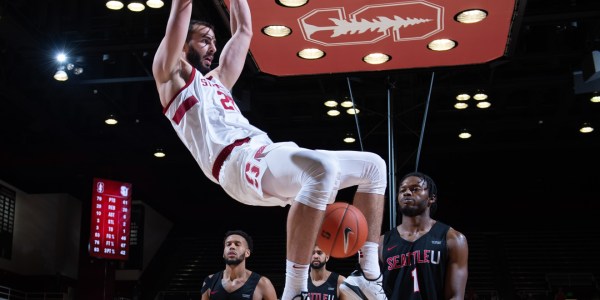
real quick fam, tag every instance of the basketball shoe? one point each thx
(358, 287)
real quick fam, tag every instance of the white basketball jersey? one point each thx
(206, 118)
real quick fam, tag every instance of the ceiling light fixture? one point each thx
(347, 104)
(461, 105)
(292, 3)
(480, 96)
(595, 99)
(155, 3)
(586, 128)
(463, 97)
(441, 45)
(111, 120)
(484, 104)
(353, 111)
(464, 134)
(471, 16)
(159, 153)
(376, 58)
(331, 103)
(333, 112)
(60, 74)
(136, 6)
(349, 138)
(61, 57)
(311, 53)
(276, 30)
(114, 4)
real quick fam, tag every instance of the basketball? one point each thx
(344, 230)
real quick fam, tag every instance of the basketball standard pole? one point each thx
(391, 157)
(424, 122)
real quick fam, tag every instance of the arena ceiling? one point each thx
(525, 151)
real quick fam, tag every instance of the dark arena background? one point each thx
(523, 188)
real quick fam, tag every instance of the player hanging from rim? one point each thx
(248, 165)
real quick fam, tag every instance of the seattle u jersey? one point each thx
(325, 291)
(415, 270)
(218, 292)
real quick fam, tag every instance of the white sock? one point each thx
(369, 260)
(296, 278)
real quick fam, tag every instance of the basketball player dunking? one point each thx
(243, 159)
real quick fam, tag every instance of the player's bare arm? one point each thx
(457, 270)
(167, 63)
(265, 290)
(233, 56)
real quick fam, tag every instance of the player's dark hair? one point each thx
(193, 24)
(243, 234)
(431, 188)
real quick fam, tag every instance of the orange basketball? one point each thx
(344, 230)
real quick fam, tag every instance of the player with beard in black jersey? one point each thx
(423, 259)
(236, 282)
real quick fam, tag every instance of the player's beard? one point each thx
(412, 211)
(195, 59)
(317, 266)
(235, 261)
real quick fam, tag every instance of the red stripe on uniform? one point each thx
(183, 108)
(216, 169)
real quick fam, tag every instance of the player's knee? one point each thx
(325, 173)
(376, 173)
(321, 180)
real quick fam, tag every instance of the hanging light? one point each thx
(331, 103)
(461, 105)
(333, 112)
(349, 138)
(347, 104)
(155, 3)
(484, 104)
(111, 120)
(586, 128)
(136, 6)
(114, 4)
(159, 153)
(353, 111)
(464, 134)
(480, 96)
(60, 74)
(463, 97)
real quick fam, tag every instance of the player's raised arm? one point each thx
(167, 59)
(233, 56)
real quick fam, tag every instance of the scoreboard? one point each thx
(110, 220)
